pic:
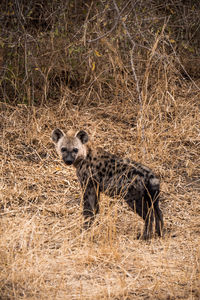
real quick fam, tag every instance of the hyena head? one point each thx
(71, 146)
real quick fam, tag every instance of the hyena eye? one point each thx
(63, 149)
(75, 150)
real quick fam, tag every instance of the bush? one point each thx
(85, 52)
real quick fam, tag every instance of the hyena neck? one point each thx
(77, 162)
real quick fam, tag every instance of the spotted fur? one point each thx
(99, 171)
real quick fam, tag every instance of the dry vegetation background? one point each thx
(128, 73)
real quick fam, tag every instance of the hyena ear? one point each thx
(82, 136)
(56, 135)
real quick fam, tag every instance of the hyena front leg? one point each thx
(91, 197)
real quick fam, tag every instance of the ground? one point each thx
(44, 254)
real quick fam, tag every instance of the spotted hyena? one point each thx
(100, 171)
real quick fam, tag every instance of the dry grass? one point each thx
(43, 252)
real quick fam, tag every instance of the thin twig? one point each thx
(182, 66)
(134, 73)
(85, 24)
(114, 26)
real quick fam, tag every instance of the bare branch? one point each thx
(114, 26)
(134, 72)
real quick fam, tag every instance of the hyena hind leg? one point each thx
(158, 216)
(158, 220)
(148, 225)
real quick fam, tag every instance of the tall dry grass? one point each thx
(44, 254)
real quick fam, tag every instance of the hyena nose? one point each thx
(68, 160)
